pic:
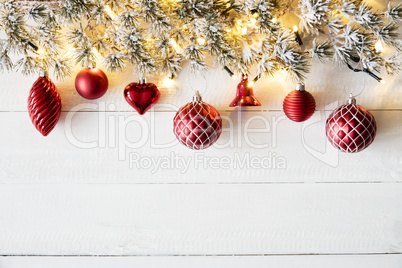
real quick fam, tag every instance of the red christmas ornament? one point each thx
(141, 96)
(244, 94)
(299, 105)
(351, 128)
(44, 104)
(91, 83)
(197, 124)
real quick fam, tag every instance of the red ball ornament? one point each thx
(44, 104)
(351, 128)
(299, 105)
(91, 83)
(197, 124)
(141, 96)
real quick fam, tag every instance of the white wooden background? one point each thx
(61, 204)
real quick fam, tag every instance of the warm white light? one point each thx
(382, 81)
(40, 51)
(175, 45)
(378, 46)
(274, 20)
(295, 28)
(233, 77)
(95, 51)
(201, 41)
(251, 83)
(168, 82)
(255, 15)
(109, 11)
(244, 30)
(253, 21)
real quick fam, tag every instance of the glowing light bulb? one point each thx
(40, 51)
(201, 41)
(283, 72)
(274, 20)
(109, 11)
(244, 30)
(175, 45)
(228, 30)
(251, 83)
(298, 38)
(168, 82)
(253, 21)
(378, 46)
(382, 81)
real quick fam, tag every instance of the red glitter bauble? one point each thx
(351, 128)
(299, 105)
(91, 83)
(44, 105)
(141, 96)
(197, 124)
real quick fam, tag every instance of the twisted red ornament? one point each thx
(44, 104)
(197, 124)
(351, 128)
(299, 105)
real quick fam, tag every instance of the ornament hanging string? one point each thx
(351, 95)
(201, 91)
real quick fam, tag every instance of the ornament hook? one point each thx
(197, 97)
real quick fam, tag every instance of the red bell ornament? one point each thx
(244, 94)
(197, 124)
(351, 128)
(299, 105)
(44, 104)
(141, 96)
(91, 83)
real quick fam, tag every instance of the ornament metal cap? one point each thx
(197, 97)
(92, 65)
(351, 99)
(300, 87)
(142, 80)
(43, 73)
(244, 94)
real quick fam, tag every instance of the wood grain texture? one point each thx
(128, 148)
(58, 198)
(200, 219)
(376, 261)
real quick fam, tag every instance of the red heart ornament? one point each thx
(141, 96)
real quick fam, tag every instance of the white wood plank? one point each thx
(327, 83)
(200, 219)
(126, 148)
(373, 261)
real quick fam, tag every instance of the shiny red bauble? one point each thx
(351, 128)
(244, 94)
(141, 96)
(197, 124)
(299, 105)
(91, 83)
(44, 104)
